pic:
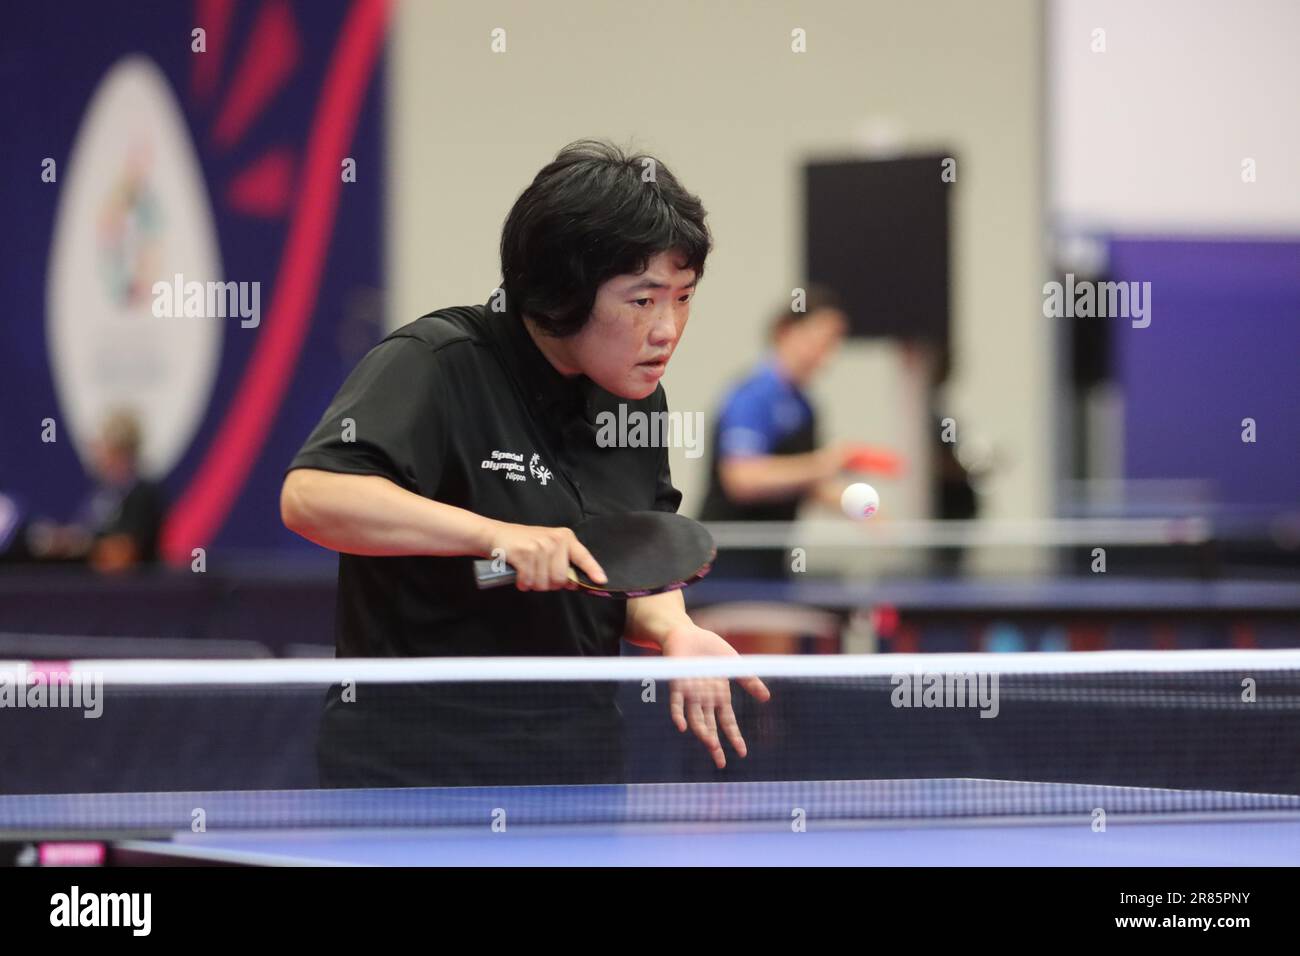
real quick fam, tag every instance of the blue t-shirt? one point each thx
(761, 413)
(764, 414)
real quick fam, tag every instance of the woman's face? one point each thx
(635, 325)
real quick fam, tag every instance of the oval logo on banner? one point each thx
(133, 211)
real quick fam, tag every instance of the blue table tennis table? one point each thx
(936, 822)
(1059, 596)
(1079, 613)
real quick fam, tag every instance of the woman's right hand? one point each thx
(542, 556)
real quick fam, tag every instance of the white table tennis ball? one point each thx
(860, 501)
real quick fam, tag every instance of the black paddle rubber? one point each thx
(641, 552)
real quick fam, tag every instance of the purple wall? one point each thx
(1223, 345)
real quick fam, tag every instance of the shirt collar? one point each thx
(543, 386)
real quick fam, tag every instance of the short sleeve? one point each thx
(389, 419)
(667, 497)
(746, 427)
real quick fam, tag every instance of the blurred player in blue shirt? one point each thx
(767, 459)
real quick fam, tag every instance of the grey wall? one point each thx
(715, 90)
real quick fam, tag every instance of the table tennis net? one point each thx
(890, 736)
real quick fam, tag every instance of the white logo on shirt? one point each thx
(539, 471)
(512, 463)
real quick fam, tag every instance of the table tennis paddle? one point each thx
(641, 552)
(880, 461)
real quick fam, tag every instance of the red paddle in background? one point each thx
(874, 461)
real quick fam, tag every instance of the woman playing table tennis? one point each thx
(470, 433)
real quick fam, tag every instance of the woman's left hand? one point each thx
(703, 704)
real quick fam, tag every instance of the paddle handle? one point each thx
(485, 576)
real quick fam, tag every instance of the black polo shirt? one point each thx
(461, 407)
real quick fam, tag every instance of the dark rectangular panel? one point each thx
(877, 233)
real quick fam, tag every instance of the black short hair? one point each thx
(816, 297)
(591, 214)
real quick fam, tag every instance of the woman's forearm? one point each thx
(369, 515)
(651, 619)
(773, 477)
